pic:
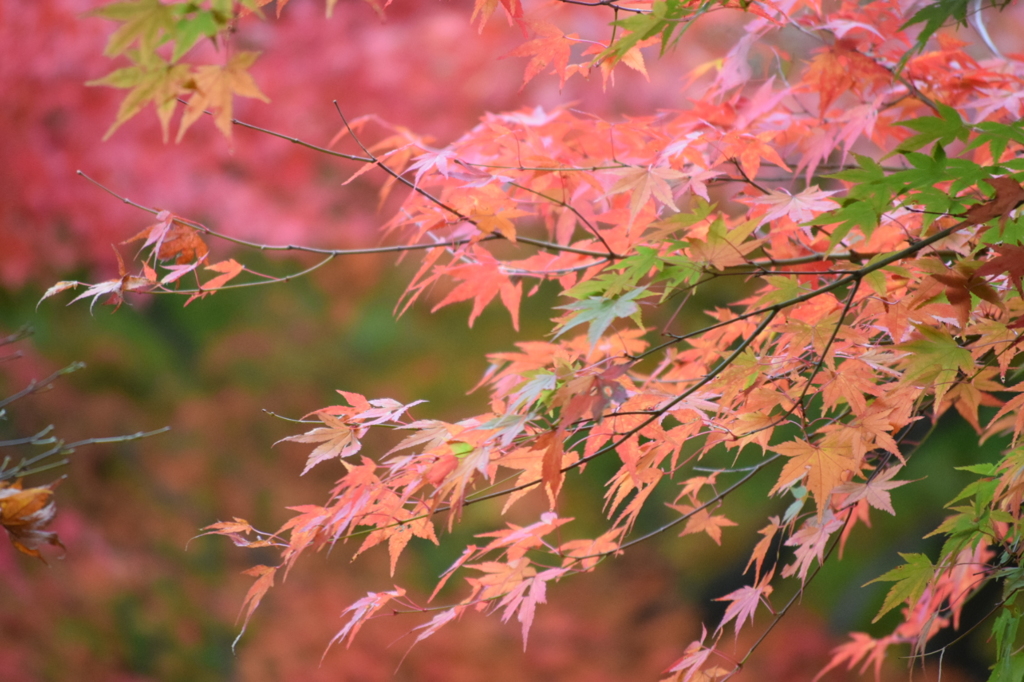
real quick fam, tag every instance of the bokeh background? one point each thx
(136, 597)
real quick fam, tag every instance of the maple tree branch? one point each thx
(746, 178)
(839, 534)
(40, 438)
(718, 497)
(63, 448)
(39, 386)
(399, 176)
(558, 202)
(427, 195)
(550, 273)
(941, 650)
(540, 169)
(710, 376)
(843, 281)
(762, 272)
(797, 596)
(298, 141)
(606, 3)
(824, 353)
(298, 248)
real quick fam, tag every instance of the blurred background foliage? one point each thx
(136, 597)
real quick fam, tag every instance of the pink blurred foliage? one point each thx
(424, 68)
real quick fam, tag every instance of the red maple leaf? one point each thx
(1010, 261)
(551, 48)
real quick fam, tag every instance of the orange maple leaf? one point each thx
(748, 150)
(336, 438)
(264, 581)
(215, 88)
(822, 467)
(702, 521)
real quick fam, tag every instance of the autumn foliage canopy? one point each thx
(790, 276)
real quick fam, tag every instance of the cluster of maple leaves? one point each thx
(864, 196)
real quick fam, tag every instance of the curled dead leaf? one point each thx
(25, 512)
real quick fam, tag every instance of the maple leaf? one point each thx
(150, 80)
(429, 431)
(961, 283)
(599, 312)
(645, 182)
(588, 552)
(215, 88)
(912, 578)
(1014, 407)
(432, 160)
(1009, 195)
(142, 21)
(800, 207)
(229, 269)
(693, 658)
(172, 240)
(525, 597)
(935, 359)
(822, 467)
(481, 282)
(744, 602)
(702, 521)
(398, 525)
(724, 247)
(264, 581)
(114, 289)
(485, 8)
(874, 491)
(748, 150)
(761, 548)
(437, 622)
(236, 531)
(551, 464)
(607, 61)
(551, 48)
(336, 438)
(1010, 261)
(810, 542)
(849, 383)
(830, 78)
(499, 579)
(518, 540)
(373, 412)
(863, 646)
(495, 220)
(361, 611)
(696, 179)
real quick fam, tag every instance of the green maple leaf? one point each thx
(151, 80)
(599, 312)
(911, 580)
(145, 21)
(935, 358)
